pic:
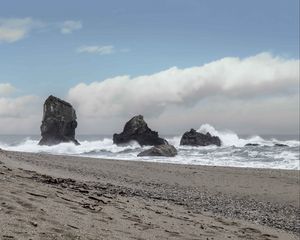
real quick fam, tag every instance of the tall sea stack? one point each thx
(59, 122)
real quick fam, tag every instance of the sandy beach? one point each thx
(64, 197)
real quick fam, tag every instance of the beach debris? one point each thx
(92, 207)
(108, 196)
(83, 190)
(8, 237)
(173, 233)
(97, 199)
(136, 129)
(69, 200)
(194, 138)
(59, 122)
(36, 194)
(160, 150)
(72, 226)
(7, 168)
(57, 181)
(35, 224)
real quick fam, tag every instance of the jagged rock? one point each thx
(136, 129)
(165, 150)
(59, 122)
(280, 145)
(194, 138)
(251, 145)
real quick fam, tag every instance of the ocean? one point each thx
(233, 151)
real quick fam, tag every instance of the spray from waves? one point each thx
(232, 152)
(86, 147)
(229, 138)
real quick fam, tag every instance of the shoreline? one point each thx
(265, 199)
(139, 160)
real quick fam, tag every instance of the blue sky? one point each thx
(148, 36)
(234, 53)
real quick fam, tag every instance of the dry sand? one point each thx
(63, 197)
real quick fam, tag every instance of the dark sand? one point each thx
(64, 197)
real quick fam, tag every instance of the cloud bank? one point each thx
(18, 115)
(256, 77)
(254, 95)
(17, 107)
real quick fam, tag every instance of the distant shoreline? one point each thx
(162, 163)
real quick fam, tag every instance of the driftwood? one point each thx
(37, 194)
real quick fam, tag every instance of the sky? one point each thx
(181, 63)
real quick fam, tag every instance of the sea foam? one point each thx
(233, 151)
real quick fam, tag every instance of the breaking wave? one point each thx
(264, 153)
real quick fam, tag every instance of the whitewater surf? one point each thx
(264, 153)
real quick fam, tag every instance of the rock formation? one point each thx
(59, 122)
(136, 129)
(165, 150)
(280, 145)
(252, 145)
(194, 138)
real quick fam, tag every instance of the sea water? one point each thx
(233, 152)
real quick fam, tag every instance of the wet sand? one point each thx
(64, 197)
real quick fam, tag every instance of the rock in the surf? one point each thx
(280, 145)
(194, 138)
(136, 129)
(59, 122)
(165, 150)
(251, 145)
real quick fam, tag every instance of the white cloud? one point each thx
(68, 27)
(273, 115)
(17, 107)
(20, 115)
(15, 29)
(6, 89)
(101, 50)
(259, 76)
(255, 95)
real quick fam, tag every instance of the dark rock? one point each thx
(136, 129)
(194, 138)
(251, 145)
(59, 122)
(280, 145)
(165, 150)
